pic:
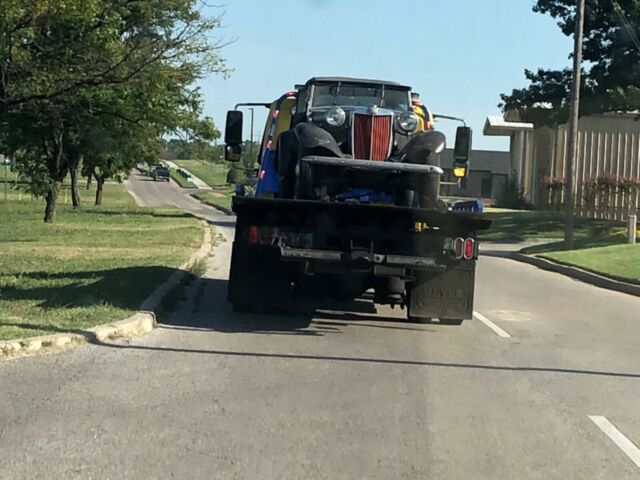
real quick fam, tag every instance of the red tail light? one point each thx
(469, 248)
(253, 235)
(458, 247)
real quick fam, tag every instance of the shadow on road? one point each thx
(366, 360)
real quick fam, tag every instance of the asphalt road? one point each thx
(346, 395)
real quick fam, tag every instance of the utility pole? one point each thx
(251, 142)
(572, 136)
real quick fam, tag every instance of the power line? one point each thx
(625, 23)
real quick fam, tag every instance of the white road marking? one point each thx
(623, 443)
(497, 330)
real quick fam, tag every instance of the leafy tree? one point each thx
(611, 80)
(105, 77)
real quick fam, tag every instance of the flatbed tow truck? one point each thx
(347, 201)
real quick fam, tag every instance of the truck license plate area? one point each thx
(447, 294)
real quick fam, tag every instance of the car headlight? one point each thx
(336, 116)
(408, 122)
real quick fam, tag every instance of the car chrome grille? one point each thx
(371, 136)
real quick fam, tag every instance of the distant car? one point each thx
(160, 172)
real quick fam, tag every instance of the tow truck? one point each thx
(347, 201)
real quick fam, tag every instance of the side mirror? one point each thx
(232, 153)
(233, 136)
(462, 152)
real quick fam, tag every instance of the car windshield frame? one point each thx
(347, 94)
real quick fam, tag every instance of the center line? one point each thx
(623, 443)
(498, 331)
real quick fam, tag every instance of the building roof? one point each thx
(497, 126)
(498, 163)
(355, 80)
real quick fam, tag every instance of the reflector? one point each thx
(253, 235)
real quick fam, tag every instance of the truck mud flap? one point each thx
(259, 281)
(443, 295)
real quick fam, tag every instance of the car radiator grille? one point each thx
(371, 136)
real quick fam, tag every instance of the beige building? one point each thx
(488, 174)
(607, 170)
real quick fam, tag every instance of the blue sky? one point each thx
(459, 54)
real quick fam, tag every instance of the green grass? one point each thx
(92, 266)
(599, 246)
(180, 180)
(214, 199)
(213, 174)
(519, 225)
(619, 261)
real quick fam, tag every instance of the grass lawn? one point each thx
(213, 174)
(92, 266)
(518, 225)
(180, 180)
(218, 198)
(599, 246)
(620, 261)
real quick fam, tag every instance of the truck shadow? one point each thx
(206, 308)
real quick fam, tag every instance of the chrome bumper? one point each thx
(372, 259)
(372, 165)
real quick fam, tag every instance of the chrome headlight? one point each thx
(408, 122)
(336, 116)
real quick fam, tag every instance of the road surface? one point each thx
(546, 385)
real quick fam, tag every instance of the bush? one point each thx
(234, 176)
(512, 197)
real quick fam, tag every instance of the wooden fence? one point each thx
(607, 170)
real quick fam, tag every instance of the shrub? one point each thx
(234, 176)
(512, 197)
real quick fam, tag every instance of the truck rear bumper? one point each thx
(362, 258)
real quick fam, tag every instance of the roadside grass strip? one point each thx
(510, 225)
(618, 261)
(219, 198)
(94, 265)
(617, 437)
(214, 175)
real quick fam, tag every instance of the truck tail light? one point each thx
(458, 247)
(469, 248)
(253, 235)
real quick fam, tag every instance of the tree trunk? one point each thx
(89, 182)
(75, 194)
(99, 185)
(50, 209)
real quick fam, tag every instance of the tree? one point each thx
(72, 68)
(611, 82)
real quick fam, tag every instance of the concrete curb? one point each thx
(136, 325)
(577, 273)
